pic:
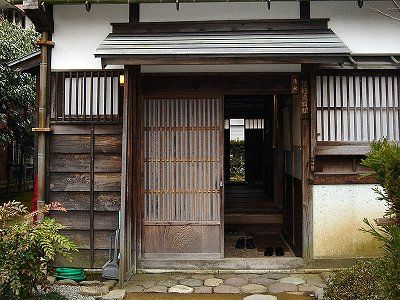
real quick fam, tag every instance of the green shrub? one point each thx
(237, 161)
(384, 161)
(356, 283)
(26, 247)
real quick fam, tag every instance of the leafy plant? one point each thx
(26, 247)
(355, 283)
(237, 163)
(17, 93)
(384, 161)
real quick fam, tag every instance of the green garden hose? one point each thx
(74, 274)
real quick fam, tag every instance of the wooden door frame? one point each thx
(133, 88)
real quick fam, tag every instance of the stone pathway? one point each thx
(87, 290)
(257, 286)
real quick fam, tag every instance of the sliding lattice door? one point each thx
(183, 167)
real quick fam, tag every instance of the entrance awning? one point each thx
(287, 46)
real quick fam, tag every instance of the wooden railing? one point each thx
(87, 96)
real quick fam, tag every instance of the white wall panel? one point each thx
(166, 12)
(362, 30)
(338, 213)
(78, 33)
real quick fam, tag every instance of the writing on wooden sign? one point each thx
(294, 84)
(304, 97)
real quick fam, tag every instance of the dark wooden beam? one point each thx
(134, 13)
(217, 59)
(305, 10)
(41, 17)
(227, 84)
(217, 26)
(322, 179)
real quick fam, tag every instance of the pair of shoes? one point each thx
(249, 243)
(269, 251)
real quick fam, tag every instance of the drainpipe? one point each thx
(43, 124)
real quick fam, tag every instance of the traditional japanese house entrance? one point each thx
(183, 173)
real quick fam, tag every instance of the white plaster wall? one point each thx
(78, 33)
(166, 12)
(362, 30)
(338, 213)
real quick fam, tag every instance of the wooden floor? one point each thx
(248, 204)
(250, 212)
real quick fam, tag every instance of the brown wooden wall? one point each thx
(84, 175)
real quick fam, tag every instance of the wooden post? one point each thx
(131, 171)
(308, 114)
(134, 12)
(305, 10)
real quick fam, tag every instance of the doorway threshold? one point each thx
(242, 265)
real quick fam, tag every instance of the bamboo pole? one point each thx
(42, 123)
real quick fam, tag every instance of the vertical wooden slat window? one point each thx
(182, 163)
(84, 96)
(358, 108)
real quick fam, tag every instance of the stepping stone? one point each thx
(168, 282)
(134, 289)
(66, 282)
(202, 276)
(156, 289)
(203, 290)
(90, 291)
(225, 275)
(263, 280)
(115, 295)
(226, 289)
(178, 276)
(260, 297)
(314, 279)
(293, 280)
(181, 289)
(191, 282)
(248, 275)
(280, 287)
(235, 281)
(90, 283)
(275, 275)
(146, 284)
(213, 282)
(253, 288)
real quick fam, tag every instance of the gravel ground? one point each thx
(71, 292)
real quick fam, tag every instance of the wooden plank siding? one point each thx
(85, 176)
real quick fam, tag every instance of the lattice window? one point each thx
(358, 108)
(82, 96)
